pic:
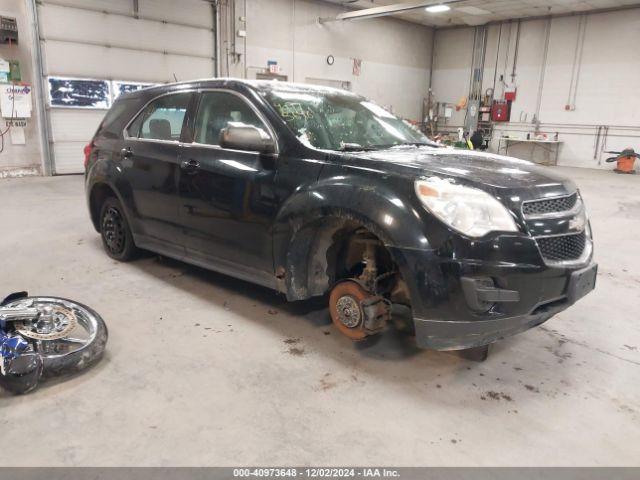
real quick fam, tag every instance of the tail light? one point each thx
(87, 153)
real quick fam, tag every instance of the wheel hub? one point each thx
(345, 307)
(51, 323)
(348, 311)
(113, 230)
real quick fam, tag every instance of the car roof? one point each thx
(260, 85)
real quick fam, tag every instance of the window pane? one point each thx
(79, 93)
(162, 119)
(216, 111)
(118, 87)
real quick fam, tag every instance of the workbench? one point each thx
(551, 146)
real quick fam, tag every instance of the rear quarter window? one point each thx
(117, 117)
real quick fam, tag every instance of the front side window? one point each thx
(217, 111)
(335, 120)
(162, 119)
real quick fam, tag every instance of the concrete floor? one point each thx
(202, 369)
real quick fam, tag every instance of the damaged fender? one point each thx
(308, 222)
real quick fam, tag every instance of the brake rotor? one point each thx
(52, 323)
(345, 307)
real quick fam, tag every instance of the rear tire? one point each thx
(117, 238)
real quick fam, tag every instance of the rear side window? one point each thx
(162, 119)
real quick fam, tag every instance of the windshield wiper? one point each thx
(356, 147)
(353, 147)
(407, 144)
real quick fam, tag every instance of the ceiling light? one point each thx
(438, 8)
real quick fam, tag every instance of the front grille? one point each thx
(562, 248)
(552, 205)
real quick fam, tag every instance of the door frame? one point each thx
(194, 114)
(190, 106)
(127, 141)
(233, 269)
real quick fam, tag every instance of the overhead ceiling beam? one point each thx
(577, 13)
(385, 10)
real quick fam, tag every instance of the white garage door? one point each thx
(103, 40)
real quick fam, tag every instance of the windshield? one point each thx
(334, 120)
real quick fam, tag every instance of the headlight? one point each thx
(468, 210)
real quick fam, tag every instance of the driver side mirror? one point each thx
(246, 137)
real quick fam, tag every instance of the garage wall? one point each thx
(176, 38)
(107, 40)
(103, 39)
(395, 55)
(16, 160)
(452, 69)
(607, 82)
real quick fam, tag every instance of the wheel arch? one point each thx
(99, 192)
(309, 231)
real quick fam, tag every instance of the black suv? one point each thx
(312, 191)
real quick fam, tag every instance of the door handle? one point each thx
(126, 153)
(190, 166)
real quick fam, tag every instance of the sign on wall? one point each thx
(15, 101)
(357, 66)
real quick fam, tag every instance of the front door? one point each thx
(228, 200)
(151, 170)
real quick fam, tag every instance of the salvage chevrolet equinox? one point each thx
(314, 191)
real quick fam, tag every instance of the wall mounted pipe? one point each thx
(244, 14)
(43, 120)
(433, 58)
(543, 70)
(589, 126)
(216, 38)
(293, 40)
(515, 52)
(578, 67)
(495, 71)
(506, 57)
(499, 130)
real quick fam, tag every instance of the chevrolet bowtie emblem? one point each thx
(578, 222)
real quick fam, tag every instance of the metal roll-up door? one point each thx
(133, 41)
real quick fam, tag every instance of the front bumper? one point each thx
(452, 335)
(446, 317)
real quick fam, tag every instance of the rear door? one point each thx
(151, 169)
(228, 198)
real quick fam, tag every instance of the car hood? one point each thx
(482, 170)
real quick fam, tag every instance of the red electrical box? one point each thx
(500, 111)
(510, 96)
